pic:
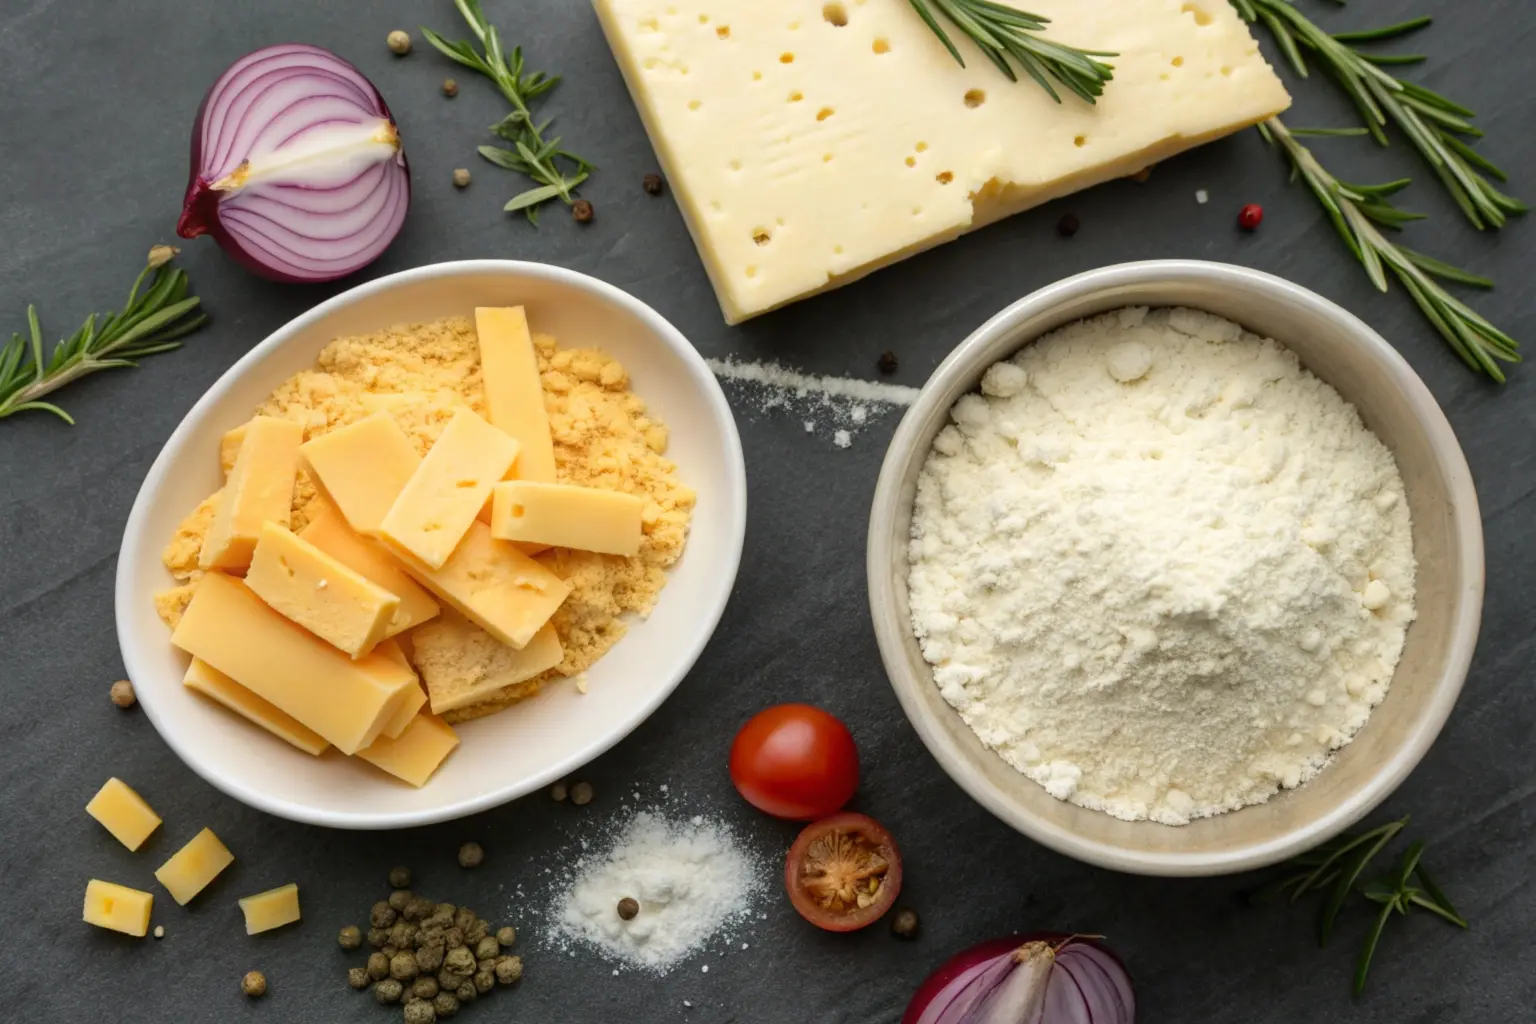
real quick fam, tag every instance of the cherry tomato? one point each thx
(795, 761)
(843, 872)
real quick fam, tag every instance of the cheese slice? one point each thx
(259, 491)
(362, 467)
(416, 753)
(330, 533)
(494, 585)
(347, 702)
(192, 867)
(203, 678)
(808, 144)
(109, 905)
(124, 813)
(413, 701)
(271, 909)
(229, 448)
(337, 604)
(432, 512)
(462, 664)
(565, 516)
(514, 394)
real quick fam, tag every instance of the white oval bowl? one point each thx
(1447, 538)
(537, 741)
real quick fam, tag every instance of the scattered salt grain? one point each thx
(810, 426)
(1202, 197)
(704, 969)
(842, 439)
(844, 402)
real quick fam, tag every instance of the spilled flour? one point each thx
(836, 407)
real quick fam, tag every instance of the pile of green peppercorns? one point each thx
(431, 958)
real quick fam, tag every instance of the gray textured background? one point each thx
(96, 99)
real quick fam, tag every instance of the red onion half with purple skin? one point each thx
(1036, 979)
(297, 170)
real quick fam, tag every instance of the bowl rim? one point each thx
(130, 551)
(891, 631)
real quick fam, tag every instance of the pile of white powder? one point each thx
(837, 407)
(1159, 567)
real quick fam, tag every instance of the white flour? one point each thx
(1160, 568)
(839, 402)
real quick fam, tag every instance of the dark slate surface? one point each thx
(95, 102)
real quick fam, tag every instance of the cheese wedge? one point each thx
(203, 678)
(347, 702)
(362, 467)
(565, 516)
(416, 753)
(432, 512)
(412, 702)
(514, 395)
(124, 813)
(809, 144)
(330, 533)
(308, 586)
(462, 664)
(194, 866)
(259, 491)
(271, 909)
(109, 905)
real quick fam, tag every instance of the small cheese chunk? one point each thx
(416, 753)
(330, 533)
(337, 604)
(271, 909)
(124, 813)
(203, 678)
(448, 489)
(514, 395)
(494, 585)
(259, 490)
(192, 867)
(348, 702)
(462, 664)
(109, 905)
(362, 467)
(412, 702)
(564, 516)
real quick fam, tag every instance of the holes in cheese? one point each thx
(109, 905)
(835, 14)
(362, 468)
(271, 909)
(448, 489)
(123, 813)
(259, 490)
(347, 702)
(416, 753)
(561, 515)
(308, 586)
(203, 678)
(331, 535)
(192, 867)
(514, 395)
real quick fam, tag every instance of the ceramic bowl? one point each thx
(538, 741)
(1447, 537)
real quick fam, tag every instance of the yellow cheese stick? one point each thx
(362, 467)
(564, 516)
(416, 753)
(412, 702)
(330, 533)
(259, 490)
(203, 678)
(336, 603)
(109, 905)
(123, 813)
(192, 867)
(514, 395)
(271, 909)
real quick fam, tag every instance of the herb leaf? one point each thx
(1005, 34)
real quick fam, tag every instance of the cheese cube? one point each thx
(494, 585)
(448, 489)
(413, 701)
(330, 533)
(416, 753)
(203, 678)
(362, 467)
(347, 702)
(124, 813)
(337, 604)
(271, 909)
(462, 664)
(109, 905)
(808, 146)
(564, 516)
(192, 867)
(259, 490)
(514, 395)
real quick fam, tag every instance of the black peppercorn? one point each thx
(582, 211)
(652, 184)
(628, 908)
(1068, 225)
(888, 362)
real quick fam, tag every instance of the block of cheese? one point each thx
(447, 491)
(259, 490)
(494, 585)
(271, 909)
(328, 532)
(362, 467)
(109, 905)
(412, 702)
(416, 753)
(565, 516)
(123, 813)
(809, 145)
(192, 867)
(347, 702)
(462, 664)
(338, 604)
(514, 395)
(203, 678)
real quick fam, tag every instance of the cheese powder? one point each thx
(422, 374)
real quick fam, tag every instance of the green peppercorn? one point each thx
(383, 915)
(904, 925)
(484, 981)
(581, 793)
(388, 991)
(559, 791)
(378, 937)
(389, 950)
(446, 1004)
(418, 909)
(466, 993)
(470, 855)
(464, 918)
(400, 877)
(378, 966)
(506, 936)
(350, 937)
(420, 1013)
(425, 988)
(426, 936)
(447, 910)
(400, 899)
(402, 967)
(478, 930)
(399, 42)
(254, 984)
(460, 962)
(357, 977)
(448, 981)
(487, 948)
(509, 969)
(430, 958)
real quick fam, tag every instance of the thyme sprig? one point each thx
(1003, 33)
(149, 323)
(1434, 124)
(556, 172)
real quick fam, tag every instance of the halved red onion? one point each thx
(1034, 980)
(297, 170)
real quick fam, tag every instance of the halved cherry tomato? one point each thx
(795, 761)
(843, 872)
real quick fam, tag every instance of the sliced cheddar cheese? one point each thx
(416, 753)
(412, 702)
(109, 905)
(259, 491)
(330, 533)
(203, 678)
(514, 395)
(565, 516)
(192, 867)
(362, 467)
(124, 813)
(271, 909)
(308, 586)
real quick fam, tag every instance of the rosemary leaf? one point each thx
(1368, 950)
(1007, 36)
(1347, 879)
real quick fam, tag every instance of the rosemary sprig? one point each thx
(1434, 124)
(556, 172)
(1003, 32)
(1358, 212)
(149, 323)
